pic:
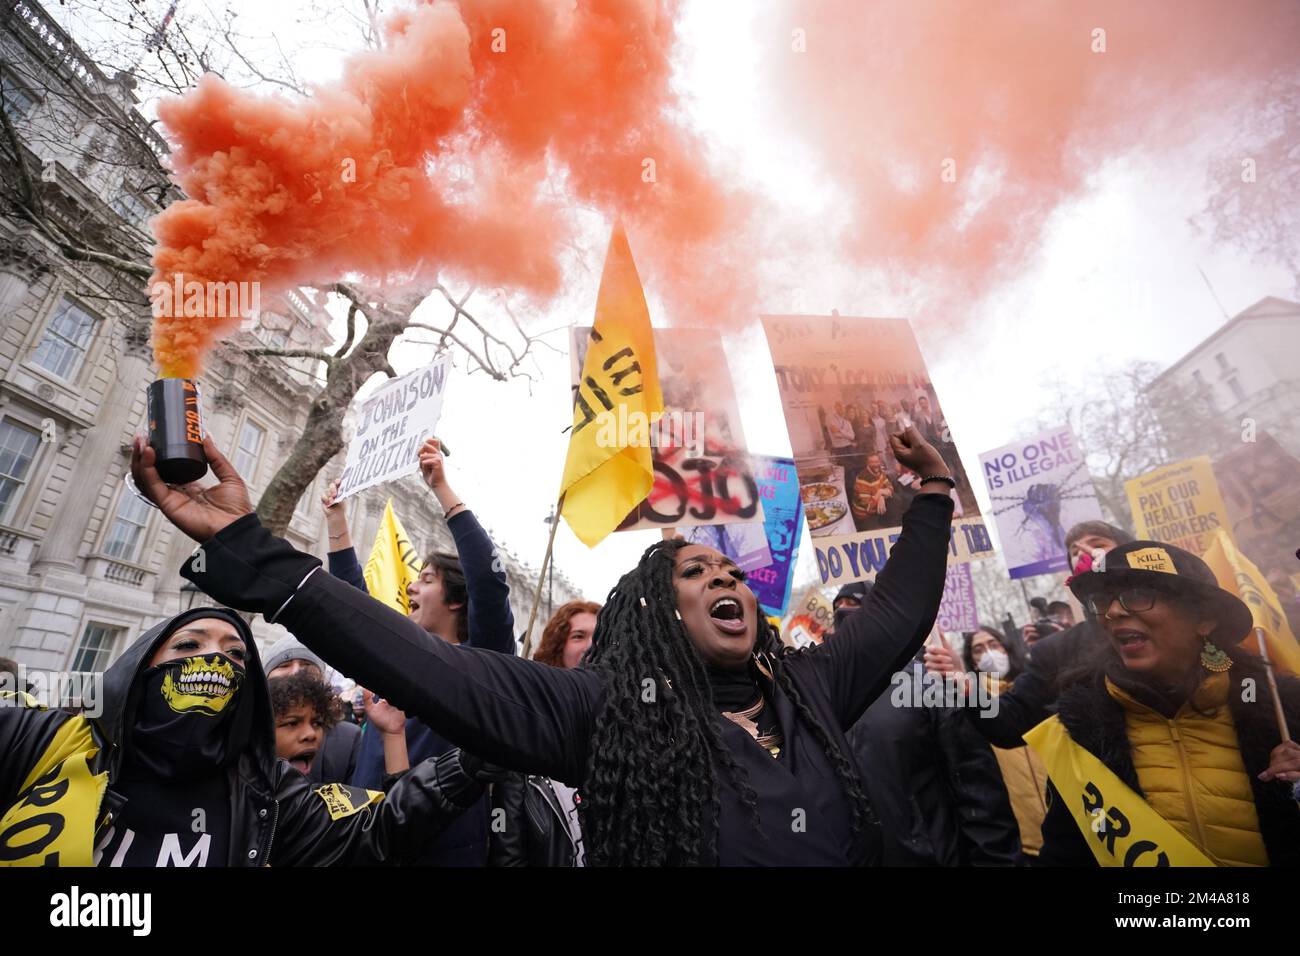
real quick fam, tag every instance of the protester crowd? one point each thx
(669, 725)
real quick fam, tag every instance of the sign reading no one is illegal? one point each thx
(392, 424)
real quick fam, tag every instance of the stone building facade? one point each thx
(85, 565)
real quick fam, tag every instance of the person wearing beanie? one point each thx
(1168, 747)
(287, 657)
(336, 761)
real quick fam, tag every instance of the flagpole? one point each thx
(1272, 686)
(541, 579)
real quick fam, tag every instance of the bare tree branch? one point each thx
(291, 353)
(353, 308)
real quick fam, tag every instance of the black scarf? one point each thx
(191, 717)
(732, 690)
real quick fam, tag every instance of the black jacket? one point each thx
(490, 624)
(276, 817)
(338, 756)
(529, 717)
(1031, 699)
(529, 826)
(1096, 722)
(935, 785)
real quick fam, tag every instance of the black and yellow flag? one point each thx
(607, 474)
(393, 563)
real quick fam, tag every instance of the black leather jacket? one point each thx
(934, 783)
(528, 824)
(277, 816)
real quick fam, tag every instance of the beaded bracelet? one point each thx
(944, 478)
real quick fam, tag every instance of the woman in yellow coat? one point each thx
(1166, 748)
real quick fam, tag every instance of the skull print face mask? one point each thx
(184, 722)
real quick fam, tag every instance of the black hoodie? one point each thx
(57, 772)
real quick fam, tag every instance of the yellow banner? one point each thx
(1178, 504)
(1238, 574)
(52, 823)
(606, 477)
(1119, 826)
(393, 563)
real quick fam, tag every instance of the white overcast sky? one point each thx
(1115, 279)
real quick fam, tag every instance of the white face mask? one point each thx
(994, 662)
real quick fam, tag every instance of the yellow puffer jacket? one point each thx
(1025, 778)
(1191, 772)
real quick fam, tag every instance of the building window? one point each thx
(132, 208)
(18, 103)
(251, 438)
(277, 338)
(17, 450)
(1223, 362)
(1236, 389)
(1204, 390)
(96, 648)
(128, 528)
(63, 347)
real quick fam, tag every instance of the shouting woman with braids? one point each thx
(693, 736)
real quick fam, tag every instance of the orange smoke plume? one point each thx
(433, 154)
(955, 129)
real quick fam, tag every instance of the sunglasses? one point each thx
(1131, 600)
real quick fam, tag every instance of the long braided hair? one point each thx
(650, 794)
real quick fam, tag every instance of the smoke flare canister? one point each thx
(176, 430)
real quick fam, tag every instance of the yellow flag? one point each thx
(1236, 573)
(393, 563)
(609, 469)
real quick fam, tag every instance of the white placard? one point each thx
(392, 424)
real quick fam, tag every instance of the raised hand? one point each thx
(336, 517)
(942, 659)
(382, 714)
(328, 501)
(913, 451)
(199, 512)
(431, 464)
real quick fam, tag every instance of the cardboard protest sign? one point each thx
(957, 610)
(771, 570)
(811, 616)
(1040, 488)
(703, 472)
(846, 385)
(1178, 504)
(392, 424)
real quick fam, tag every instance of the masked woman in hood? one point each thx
(692, 734)
(179, 769)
